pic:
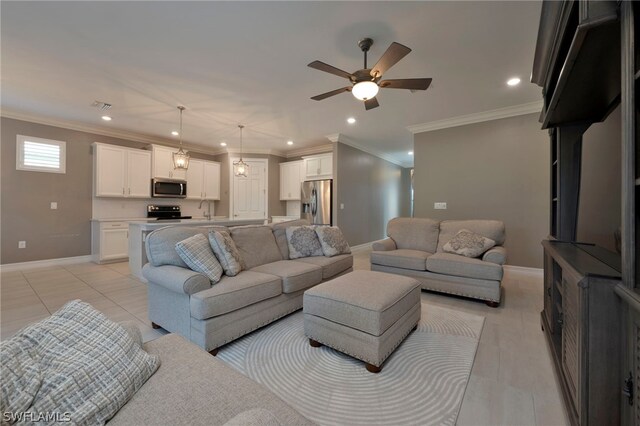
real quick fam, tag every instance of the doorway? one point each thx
(249, 194)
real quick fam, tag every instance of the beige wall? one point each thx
(370, 189)
(492, 170)
(25, 212)
(599, 212)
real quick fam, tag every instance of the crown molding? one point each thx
(261, 151)
(339, 137)
(318, 149)
(494, 114)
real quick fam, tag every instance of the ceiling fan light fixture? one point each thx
(365, 90)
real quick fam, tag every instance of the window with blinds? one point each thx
(40, 155)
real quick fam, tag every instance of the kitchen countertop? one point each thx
(146, 219)
(154, 224)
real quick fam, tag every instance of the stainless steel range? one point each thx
(165, 212)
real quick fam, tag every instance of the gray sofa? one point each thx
(183, 301)
(414, 248)
(193, 388)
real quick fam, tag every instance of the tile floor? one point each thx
(512, 381)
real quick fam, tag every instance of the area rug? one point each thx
(422, 382)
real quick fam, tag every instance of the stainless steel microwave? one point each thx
(168, 188)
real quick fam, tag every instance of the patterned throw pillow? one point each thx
(88, 366)
(469, 244)
(332, 241)
(197, 254)
(303, 242)
(226, 252)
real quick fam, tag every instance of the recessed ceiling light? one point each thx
(289, 142)
(351, 120)
(106, 118)
(223, 144)
(410, 152)
(175, 133)
(513, 81)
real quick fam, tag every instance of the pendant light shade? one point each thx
(180, 158)
(240, 168)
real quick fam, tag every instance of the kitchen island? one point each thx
(138, 231)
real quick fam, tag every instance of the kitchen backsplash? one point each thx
(111, 208)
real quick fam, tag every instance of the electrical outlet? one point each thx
(54, 205)
(440, 206)
(22, 244)
(341, 206)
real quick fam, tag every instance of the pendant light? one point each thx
(180, 158)
(240, 168)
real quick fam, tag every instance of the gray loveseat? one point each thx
(414, 248)
(183, 301)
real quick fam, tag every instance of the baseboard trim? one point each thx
(10, 267)
(524, 270)
(362, 247)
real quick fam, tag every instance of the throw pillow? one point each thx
(303, 242)
(332, 241)
(89, 366)
(197, 254)
(468, 243)
(226, 252)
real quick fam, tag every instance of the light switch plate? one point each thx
(341, 206)
(440, 206)
(54, 205)
(22, 244)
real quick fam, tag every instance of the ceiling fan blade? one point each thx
(331, 93)
(330, 69)
(392, 56)
(406, 83)
(371, 104)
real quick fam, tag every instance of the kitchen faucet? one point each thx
(208, 213)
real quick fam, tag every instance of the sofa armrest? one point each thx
(176, 278)
(384, 245)
(497, 255)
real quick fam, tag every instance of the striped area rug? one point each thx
(422, 382)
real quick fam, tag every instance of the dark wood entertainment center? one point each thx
(587, 62)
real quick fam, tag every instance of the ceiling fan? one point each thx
(365, 82)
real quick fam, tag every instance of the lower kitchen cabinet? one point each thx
(109, 241)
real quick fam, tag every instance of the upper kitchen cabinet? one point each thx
(578, 42)
(121, 172)
(163, 163)
(318, 167)
(291, 175)
(203, 180)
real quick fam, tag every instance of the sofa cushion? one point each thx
(280, 234)
(303, 242)
(453, 264)
(233, 293)
(160, 244)
(414, 233)
(295, 276)
(256, 245)
(198, 255)
(469, 244)
(493, 229)
(332, 241)
(227, 253)
(402, 258)
(331, 266)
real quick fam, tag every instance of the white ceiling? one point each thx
(245, 62)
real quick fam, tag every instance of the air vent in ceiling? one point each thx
(102, 105)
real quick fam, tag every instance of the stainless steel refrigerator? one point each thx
(316, 201)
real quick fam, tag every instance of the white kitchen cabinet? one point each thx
(110, 241)
(203, 180)
(291, 175)
(318, 167)
(121, 172)
(163, 163)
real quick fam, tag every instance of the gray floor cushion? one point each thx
(331, 266)
(402, 258)
(295, 276)
(461, 266)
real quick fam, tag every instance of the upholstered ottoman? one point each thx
(364, 314)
